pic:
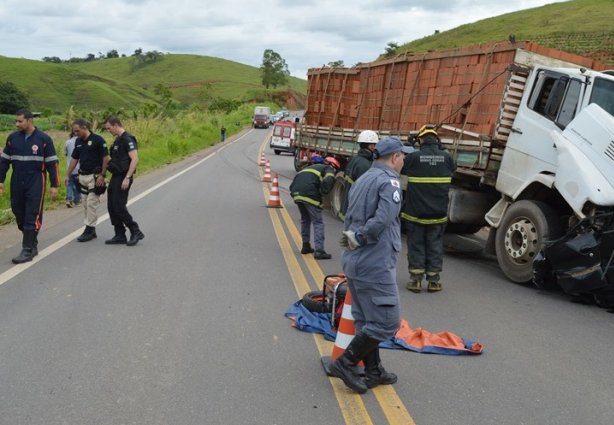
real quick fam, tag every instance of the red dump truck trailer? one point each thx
(531, 128)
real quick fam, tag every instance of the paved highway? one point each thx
(188, 327)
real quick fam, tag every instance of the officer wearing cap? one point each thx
(307, 189)
(92, 155)
(425, 213)
(372, 238)
(30, 152)
(358, 165)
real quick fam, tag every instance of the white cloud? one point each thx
(306, 34)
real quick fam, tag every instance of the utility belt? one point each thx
(90, 172)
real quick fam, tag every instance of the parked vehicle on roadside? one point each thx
(282, 139)
(531, 128)
(262, 117)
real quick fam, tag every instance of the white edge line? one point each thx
(18, 268)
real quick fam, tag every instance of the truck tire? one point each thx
(314, 302)
(298, 165)
(277, 151)
(336, 195)
(523, 230)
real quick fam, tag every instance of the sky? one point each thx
(305, 33)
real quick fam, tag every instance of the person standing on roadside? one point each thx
(124, 159)
(429, 174)
(31, 152)
(92, 156)
(223, 133)
(73, 194)
(372, 241)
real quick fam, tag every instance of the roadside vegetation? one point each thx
(579, 26)
(162, 139)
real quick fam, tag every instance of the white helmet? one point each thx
(367, 137)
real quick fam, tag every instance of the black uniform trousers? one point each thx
(27, 196)
(117, 199)
(425, 250)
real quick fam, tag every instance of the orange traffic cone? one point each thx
(345, 334)
(267, 172)
(262, 161)
(274, 201)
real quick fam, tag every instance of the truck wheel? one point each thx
(336, 195)
(298, 165)
(277, 151)
(314, 302)
(523, 230)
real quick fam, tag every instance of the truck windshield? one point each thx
(261, 117)
(603, 94)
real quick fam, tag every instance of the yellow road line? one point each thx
(393, 408)
(351, 405)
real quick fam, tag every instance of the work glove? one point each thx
(351, 240)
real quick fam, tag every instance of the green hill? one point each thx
(123, 82)
(579, 26)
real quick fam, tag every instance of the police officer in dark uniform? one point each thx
(429, 174)
(92, 155)
(358, 165)
(122, 166)
(31, 152)
(307, 189)
(372, 238)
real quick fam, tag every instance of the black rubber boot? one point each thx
(26, 247)
(307, 249)
(135, 235)
(322, 255)
(88, 234)
(345, 365)
(119, 238)
(35, 245)
(375, 374)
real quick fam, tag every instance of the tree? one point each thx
(11, 98)
(274, 69)
(112, 54)
(336, 64)
(53, 59)
(391, 49)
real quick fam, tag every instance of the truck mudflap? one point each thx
(581, 262)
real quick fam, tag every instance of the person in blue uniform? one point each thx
(31, 153)
(92, 155)
(372, 238)
(122, 166)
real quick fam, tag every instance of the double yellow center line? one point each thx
(351, 404)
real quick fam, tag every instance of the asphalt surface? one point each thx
(188, 326)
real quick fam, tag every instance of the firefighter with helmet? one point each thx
(425, 212)
(307, 189)
(358, 165)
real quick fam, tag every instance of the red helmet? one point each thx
(332, 162)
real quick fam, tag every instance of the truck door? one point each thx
(549, 104)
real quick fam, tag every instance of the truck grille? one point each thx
(609, 152)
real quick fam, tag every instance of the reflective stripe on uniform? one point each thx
(307, 200)
(349, 179)
(311, 170)
(438, 180)
(413, 219)
(26, 157)
(416, 271)
(51, 158)
(5, 156)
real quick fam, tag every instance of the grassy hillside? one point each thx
(579, 26)
(122, 83)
